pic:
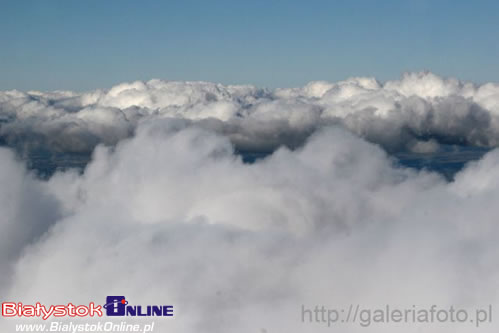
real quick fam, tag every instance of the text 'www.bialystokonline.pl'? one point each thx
(73, 327)
(365, 317)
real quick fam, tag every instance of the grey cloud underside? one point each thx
(415, 113)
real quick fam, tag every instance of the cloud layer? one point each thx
(172, 215)
(415, 113)
(166, 212)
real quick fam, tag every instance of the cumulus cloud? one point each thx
(399, 115)
(171, 214)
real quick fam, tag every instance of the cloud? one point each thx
(399, 115)
(172, 215)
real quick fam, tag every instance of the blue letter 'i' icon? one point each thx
(115, 305)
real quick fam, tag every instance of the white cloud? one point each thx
(395, 114)
(168, 213)
(172, 215)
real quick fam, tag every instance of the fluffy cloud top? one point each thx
(415, 113)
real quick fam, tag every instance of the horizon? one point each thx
(421, 74)
(60, 45)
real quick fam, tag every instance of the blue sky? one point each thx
(81, 45)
